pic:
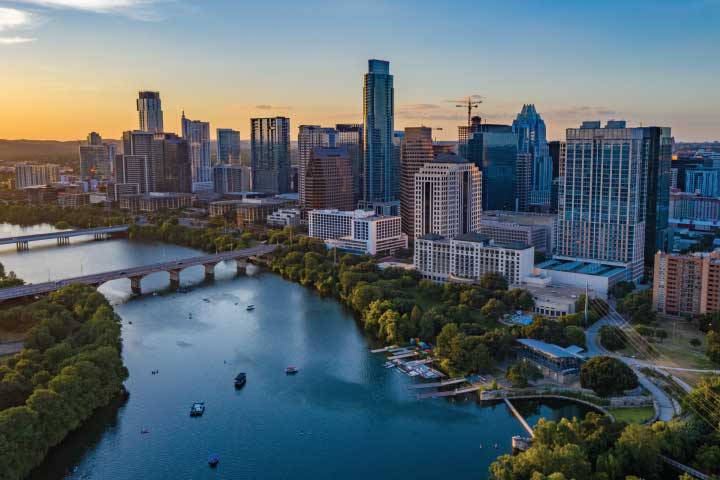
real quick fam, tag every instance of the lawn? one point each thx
(677, 350)
(633, 415)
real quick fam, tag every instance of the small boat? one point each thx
(144, 431)
(388, 365)
(250, 308)
(197, 409)
(213, 460)
(240, 380)
(291, 370)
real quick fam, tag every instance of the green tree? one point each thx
(607, 376)
(494, 281)
(522, 373)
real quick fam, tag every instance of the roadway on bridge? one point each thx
(99, 278)
(64, 234)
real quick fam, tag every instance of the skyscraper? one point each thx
(197, 134)
(150, 112)
(228, 146)
(228, 179)
(350, 136)
(381, 182)
(447, 197)
(328, 179)
(309, 137)
(557, 156)
(604, 211)
(270, 154)
(530, 130)
(417, 150)
(96, 158)
(171, 159)
(137, 165)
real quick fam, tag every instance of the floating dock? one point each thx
(403, 355)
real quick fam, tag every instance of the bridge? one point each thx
(63, 237)
(136, 274)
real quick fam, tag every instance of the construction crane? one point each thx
(473, 101)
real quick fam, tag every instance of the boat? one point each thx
(250, 308)
(240, 380)
(388, 365)
(291, 370)
(197, 409)
(213, 460)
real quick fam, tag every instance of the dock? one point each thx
(403, 355)
(442, 383)
(520, 418)
(448, 393)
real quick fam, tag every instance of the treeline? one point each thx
(87, 216)
(9, 279)
(70, 366)
(396, 305)
(206, 239)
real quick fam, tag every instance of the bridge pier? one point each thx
(63, 240)
(209, 270)
(22, 246)
(241, 266)
(101, 236)
(135, 285)
(174, 279)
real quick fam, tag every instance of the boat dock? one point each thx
(403, 355)
(387, 349)
(520, 418)
(449, 393)
(442, 383)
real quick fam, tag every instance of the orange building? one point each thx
(686, 284)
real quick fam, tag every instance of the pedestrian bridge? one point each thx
(136, 274)
(63, 238)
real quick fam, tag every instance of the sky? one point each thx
(68, 67)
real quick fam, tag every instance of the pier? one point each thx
(520, 418)
(442, 383)
(449, 393)
(403, 355)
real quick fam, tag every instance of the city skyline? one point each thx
(580, 71)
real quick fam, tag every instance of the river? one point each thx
(343, 415)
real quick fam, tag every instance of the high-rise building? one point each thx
(28, 175)
(228, 179)
(557, 156)
(270, 154)
(96, 158)
(150, 112)
(686, 284)
(447, 197)
(530, 130)
(350, 136)
(328, 179)
(310, 137)
(171, 159)
(603, 202)
(465, 132)
(197, 134)
(493, 149)
(228, 146)
(137, 164)
(381, 182)
(704, 181)
(417, 150)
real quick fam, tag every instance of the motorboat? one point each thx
(197, 409)
(213, 460)
(291, 370)
(240, 380)
(250, 308)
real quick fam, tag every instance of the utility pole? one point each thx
(587, 299)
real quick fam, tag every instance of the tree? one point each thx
(547, 330)
(612, 337)
(493, 309)
(607, 376)
(621, 289)
(639, 451)
(494, 281)
(574, 335)
(638, 306)
(522, 373)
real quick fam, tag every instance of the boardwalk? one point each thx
(442, 383)
(135, 274)
(520, 418)
(22, 241)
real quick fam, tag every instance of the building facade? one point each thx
(197, 134)
(310, 137)
(171, 160)
(228, 179)
(703, 181)
(686, 284)
(138, 165)
(350, 136)
(358, 231)
(447, 197)
(96, 158)
(29, 175)
(416, 151)
(150, 114)
(530, 130)
(228, 146)
(328, 180)
(270, 154)
(468, 257)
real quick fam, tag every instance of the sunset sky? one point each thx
(71, 66)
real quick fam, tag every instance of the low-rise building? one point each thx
(41, 194)
(510, 232)
(468, 257)
(357, 231)
(550, 300)
(598, 277)
(73, 200)
(686, 284)
(155, 201)
(284, 217)
(560, 364)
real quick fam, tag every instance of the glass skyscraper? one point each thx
(197, 134)
(228, 146)
(350, 136)
(381, 169)
(150, 112)
(270, 154)
(530, 130)
(493, 149)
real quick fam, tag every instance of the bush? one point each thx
(607, 376)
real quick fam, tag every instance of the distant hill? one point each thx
(41, 151)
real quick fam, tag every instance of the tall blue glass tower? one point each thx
(530, 130)
(381, 168)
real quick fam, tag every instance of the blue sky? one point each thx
(71, 66)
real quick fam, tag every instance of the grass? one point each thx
(677, 347)
(633, 414)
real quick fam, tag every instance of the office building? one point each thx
(358, 231)
(73, 200)
(531, 228)
(682, 164)
(284, 217)
(703, 181)
(270, 154)
(416, 151)
(117, 190)
(556, 149)
(150, 112)
(447, 197)
(381, 182)
(310, 137)
(228, 179)
(656, 146)
(466, 258)
(691, 209)
(29, 175)
(532, 142)
(350, 136)
(686, 284)
(96, 158)
(328, 180)
(171, 161)
(197, 134)
(228, 146)
(137, 164)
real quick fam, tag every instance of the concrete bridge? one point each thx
(63, 238)
(136, 274)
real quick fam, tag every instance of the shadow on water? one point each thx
(62, 458)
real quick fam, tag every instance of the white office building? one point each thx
(27, 175)
(197, 134)
(357, 231)
(285, 217)
(448, 198)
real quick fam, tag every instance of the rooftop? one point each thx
(579, 266)
(549, 349)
